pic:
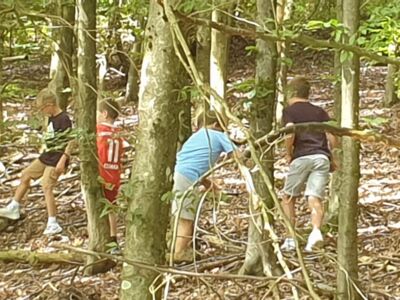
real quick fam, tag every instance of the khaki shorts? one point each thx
(311, 171)
(186, 207)
(38, 169)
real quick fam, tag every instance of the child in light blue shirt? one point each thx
(197, 156)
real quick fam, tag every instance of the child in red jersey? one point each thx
(110, 151)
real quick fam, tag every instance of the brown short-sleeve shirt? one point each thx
(307, 143)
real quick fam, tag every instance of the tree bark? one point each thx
(348, 209)
(147, 215)
(61, 60)
(98, 228)
(261, 120)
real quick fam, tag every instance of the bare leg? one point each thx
(50, 201)
(289, 208)
(317, 211)
(184, 235)
(112, 217)
(22, 188)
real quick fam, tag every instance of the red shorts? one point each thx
(110, 195)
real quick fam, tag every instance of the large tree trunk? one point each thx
(147, 215)
(61, 60)
(98, 228)
(348, 209)
(333, 204)
(260, 258)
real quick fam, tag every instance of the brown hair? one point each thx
(206, 118)
(111, 107)
(299, 87)
(44, 97)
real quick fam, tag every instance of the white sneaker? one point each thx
(315, 239)
(10, 212)
(288, 245)
(53, 228)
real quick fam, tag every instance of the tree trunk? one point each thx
(115, 52)
(348, 209)
(218, 57)
(132, 84)
(203, 51)
(333, 204)
(61, 60)
(147, 215)
(98, 228)
(283, 11)
(2, 35)
(391, 88)
(262, 116)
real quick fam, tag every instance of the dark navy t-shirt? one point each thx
(56, 139)
(307, 143)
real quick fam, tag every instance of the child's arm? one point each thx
(60, 168)
(289, 141)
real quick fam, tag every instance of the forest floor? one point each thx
(222, 228)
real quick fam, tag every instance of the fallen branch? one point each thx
(33, 258)
(11, 59)
(164, 269)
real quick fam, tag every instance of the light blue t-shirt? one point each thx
(200, 152)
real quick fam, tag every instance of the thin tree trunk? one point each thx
(348, 209)
(391, 86)
(203, 51)
(260, 258)
(98, 228)
(147, 214)
(2, 34)
(132, 84)
(391, 89)
(61, 60)
(218, 57)
(283, 12)
(335, 184)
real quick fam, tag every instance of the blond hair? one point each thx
(45, 97)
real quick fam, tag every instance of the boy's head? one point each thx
(208, 119)
(109, 110)
(299, 87)
(46, 102)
